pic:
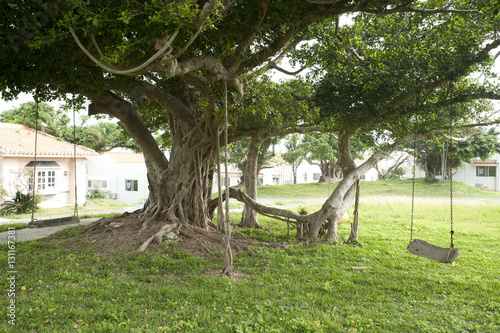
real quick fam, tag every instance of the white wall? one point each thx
(105, 168)
(467, 174)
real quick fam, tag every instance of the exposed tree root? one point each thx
(105, 222)
(158, 237)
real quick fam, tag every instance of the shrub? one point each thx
(431, 180)
(96, 193)
(3, 194)
(20, 204)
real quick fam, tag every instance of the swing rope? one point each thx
(414, 167)
(420, 247)
(34, 161)
(451, 164)
(75, 212)
(228, 257)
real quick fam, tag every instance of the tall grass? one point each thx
(297, 289)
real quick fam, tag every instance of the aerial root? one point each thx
(158, 237)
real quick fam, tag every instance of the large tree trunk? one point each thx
(179, 187)
(328, 173)
(294, 171)
(249, 216)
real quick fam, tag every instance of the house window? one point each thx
(98, 184)
(316, 176)
(486, 171)
(131, 185)
(45, 180)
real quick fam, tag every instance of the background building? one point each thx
(55, 166)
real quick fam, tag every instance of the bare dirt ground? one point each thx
(129, 236)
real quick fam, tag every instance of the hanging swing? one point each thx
(420, 247)
(35, 223)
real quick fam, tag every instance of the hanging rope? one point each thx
(131, 71)
(75, 212)
(34, 161)
(226, 161)
(228, 258)
(414, 166)
(451, 164)
(220, 209)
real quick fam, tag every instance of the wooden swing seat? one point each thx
(53, 222)
(424, 249)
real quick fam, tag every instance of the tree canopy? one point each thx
(374, 74)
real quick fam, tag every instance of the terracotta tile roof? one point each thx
(484, 162)
(19, 140)
(126, 157)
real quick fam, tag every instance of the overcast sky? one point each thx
(23, 98)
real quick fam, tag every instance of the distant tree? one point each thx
(101, 137)
(322, 149)
(51, 121)
(238, 154)
(104, 136)
(268, 110)
(430, 153)
(294, 153)
(393, 171)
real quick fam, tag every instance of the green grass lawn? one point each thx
(298, 289)
(377, 188)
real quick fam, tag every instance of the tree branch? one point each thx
(275, 47)
(167, 101)
(301, 97)
(111, 104)
(237, 135)
(212, 64)
(273, 212)
(249, 37)
(273, 65)
(464, 139)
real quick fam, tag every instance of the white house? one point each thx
(480, 174)
(282, 173)
(57, 167)
(372, 174)
(121, 174)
